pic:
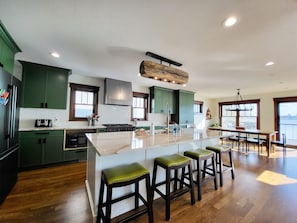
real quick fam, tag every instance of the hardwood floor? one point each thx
(264, 190)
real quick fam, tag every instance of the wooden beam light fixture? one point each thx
(162, 72)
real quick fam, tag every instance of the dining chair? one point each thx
(282, 142)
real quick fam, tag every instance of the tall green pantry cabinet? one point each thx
(44, 86)
(185, 107)
(8, 48)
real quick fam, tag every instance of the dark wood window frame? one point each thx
(80, 87)
(141, 95)
(257, 101)
(200, 105)
(276, 117)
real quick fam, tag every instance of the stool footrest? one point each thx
(130, 215)
(174, 194)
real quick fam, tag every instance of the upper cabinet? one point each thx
(162, 100)
(8, 48)
(185, 107)
(44, 86)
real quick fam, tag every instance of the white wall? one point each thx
(200, 120)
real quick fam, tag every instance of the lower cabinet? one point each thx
(72, 155)
(41, 148)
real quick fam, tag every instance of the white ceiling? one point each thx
(109, 38)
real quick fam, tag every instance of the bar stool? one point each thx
(219, 151)
(173, 162)
(203, 155)
(120, 176)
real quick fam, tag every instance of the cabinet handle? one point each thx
(39, 141)
(45, 105)
(42, 133)
(42, 141)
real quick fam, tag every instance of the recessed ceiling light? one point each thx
(55, 54)
(269, 63)
(231, 21)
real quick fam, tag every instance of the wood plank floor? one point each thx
(264, 190)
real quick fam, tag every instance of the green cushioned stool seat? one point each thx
(173, 163)
(223, 167)
(199, 156)
(198, 153)
(218, 148)
(172, 160)
(121, 176)
(124, 173)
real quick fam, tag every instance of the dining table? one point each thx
(268, 134)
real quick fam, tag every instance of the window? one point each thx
(247, 119)
(139, 106)
(285, 116)
(83, 101)
(198, 106)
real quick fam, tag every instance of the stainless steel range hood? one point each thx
(117, 92)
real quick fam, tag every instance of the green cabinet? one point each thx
(185, 107)
(8, 48)
(41, 147)
(44, 86)
(162, 100)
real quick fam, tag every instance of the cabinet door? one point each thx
(53, 147)
(31, 150)
(171, 102)
(159, 101)
(186, 108)
(33, 86)
(1, 50)
(7, 58)
(44, 86)
(70, 155)
(56, 89)
(162, 100)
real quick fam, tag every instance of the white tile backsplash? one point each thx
(109, 114)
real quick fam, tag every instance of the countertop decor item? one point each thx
(92, 119)
(208, 114)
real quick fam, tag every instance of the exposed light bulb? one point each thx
(269, 63)
(55, 54)
(231, 21)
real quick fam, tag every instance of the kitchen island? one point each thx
(110, 149)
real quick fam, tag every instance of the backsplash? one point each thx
(109, 114)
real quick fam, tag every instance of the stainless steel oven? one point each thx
(76, 138)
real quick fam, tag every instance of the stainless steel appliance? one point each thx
(9, 125)
(76, 138)
(118, 127)
(43, 123)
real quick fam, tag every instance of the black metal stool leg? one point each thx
(219, 154)
(167, 194)
(214, 171)
(231, 164)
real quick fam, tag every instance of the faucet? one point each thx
(168, 117)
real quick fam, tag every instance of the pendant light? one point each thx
(239, 104)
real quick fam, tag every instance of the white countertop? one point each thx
(116, 142)
(61, 128)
